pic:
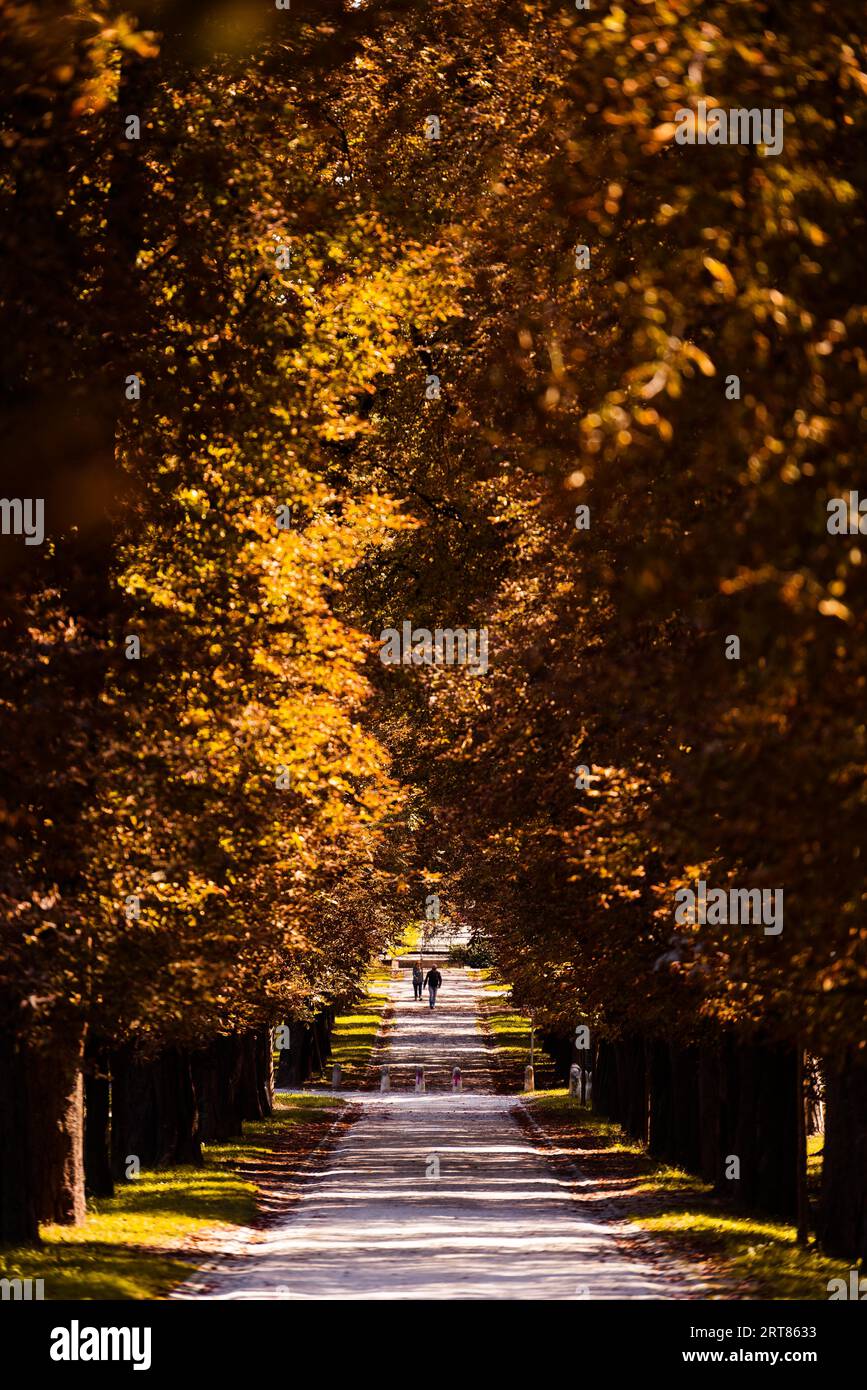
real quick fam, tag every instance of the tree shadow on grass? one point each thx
(749, 1255)
(94, 1269)
(157, 1228)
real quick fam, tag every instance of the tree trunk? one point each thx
(685, 1148)
(216, 1076)
(659, 1080)
(605, 1098)
(631, 1085)
(326, 1024)
(19, 1218)
(57, 1121)
(250, 1098)
(766, 1134)
(709, 1110)
(800, 1101)
(154, 1114)
(585, 1060)
(843, 1217)
(98, 1179)
(265, 1070)
(561, 1051)
(284, 1058)
(317, 1045)
(296, 1062)
(211, 1094)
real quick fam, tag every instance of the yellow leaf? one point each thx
(695, 354)
(722, 275)
(831, 608)
(860, 78)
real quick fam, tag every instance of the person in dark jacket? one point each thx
(433, 981)
(417, 981)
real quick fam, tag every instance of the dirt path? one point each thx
(437, 1039)
(440, 1196)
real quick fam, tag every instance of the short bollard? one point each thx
(456, 1078)
(419, 1081)
(335, 1077)
(529, 1084)
(383, 1078)
(574, 1079)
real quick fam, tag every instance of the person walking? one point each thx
(433, 982)
(417, 981)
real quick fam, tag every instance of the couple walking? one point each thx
(431, 982)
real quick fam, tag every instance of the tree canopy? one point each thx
(292, 363)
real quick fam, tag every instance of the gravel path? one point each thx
(439, 1196)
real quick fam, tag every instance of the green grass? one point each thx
(759, 1256)
(511, 1033)
(137, 1243)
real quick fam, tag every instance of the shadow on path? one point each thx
(440, 1196)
